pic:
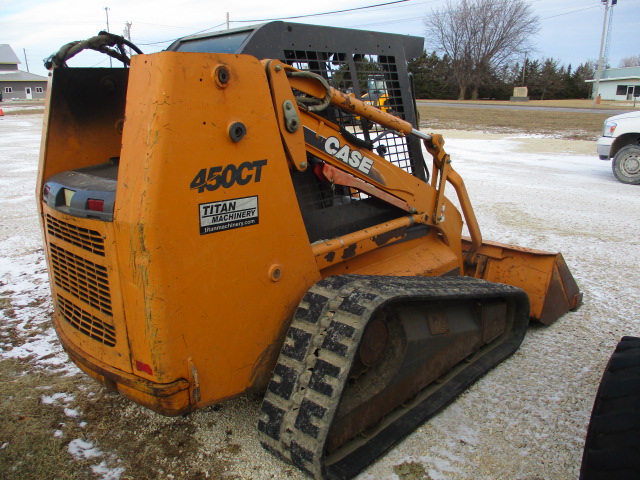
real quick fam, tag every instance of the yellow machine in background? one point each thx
(213, 228)
(377, 95)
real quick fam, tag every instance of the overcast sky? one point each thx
(570, 29)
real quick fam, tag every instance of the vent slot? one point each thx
(89, 240)
(81, 278)
(86, 323)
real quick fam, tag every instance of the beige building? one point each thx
(16, 84)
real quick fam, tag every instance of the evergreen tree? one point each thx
(550, 80)
(546, 79)
(432, 77)
(586, 71)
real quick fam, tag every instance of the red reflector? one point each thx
(143, 367)
(95, 205)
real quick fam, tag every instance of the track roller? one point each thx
(368, 359)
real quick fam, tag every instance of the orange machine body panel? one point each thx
(211, 268)
(207, 254)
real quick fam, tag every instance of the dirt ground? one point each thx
(550, 124)
(567, 103)
(524, 420)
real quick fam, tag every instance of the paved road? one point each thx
(428, 103)
(521, 107)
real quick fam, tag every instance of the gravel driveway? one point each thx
(526, 419)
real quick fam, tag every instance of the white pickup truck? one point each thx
(621, 141)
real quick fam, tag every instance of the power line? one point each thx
(389, 22)
(321, 14)
(100, 62)
(410, 19)
(569, 13)
(334, 12)
(63, 22)
(178, 38)
(161, 25)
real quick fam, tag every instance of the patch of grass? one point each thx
(30, 449)
(568, 125)
(145, 445)
(568, 103)
(26, 111)
(148, 445)
(411, 471)
(5, 304)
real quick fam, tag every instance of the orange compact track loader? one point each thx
(216, 224)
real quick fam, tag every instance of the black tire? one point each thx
(626, 164)
(612, 446)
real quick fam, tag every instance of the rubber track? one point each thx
(612, 446)
(304, 393)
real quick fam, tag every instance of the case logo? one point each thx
(345, 154)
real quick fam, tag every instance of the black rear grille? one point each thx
(81, 278)
(86, 323)
(329, 210)
(85, 238)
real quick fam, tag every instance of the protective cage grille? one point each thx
(89, 240)
(81, 278)
(86, 323)
(376, 82)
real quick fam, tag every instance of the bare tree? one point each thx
(480, 36)
(633, 61)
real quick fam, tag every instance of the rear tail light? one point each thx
(143, 367)
(95, 204)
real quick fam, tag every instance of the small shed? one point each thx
(16, 84)
(618, 83)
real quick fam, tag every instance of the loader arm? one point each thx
(350, 162)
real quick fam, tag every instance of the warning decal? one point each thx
(228, 214)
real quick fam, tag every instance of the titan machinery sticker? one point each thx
(228, 214)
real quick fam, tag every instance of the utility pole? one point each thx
(607, 42)
(106, 10)
(26, 62)
(227, 20)
(127, 34)
(596, 89)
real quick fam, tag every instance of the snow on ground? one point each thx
(35, 107)
(526, 419)
(86, 450)
(82, 449)
(23, 271)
